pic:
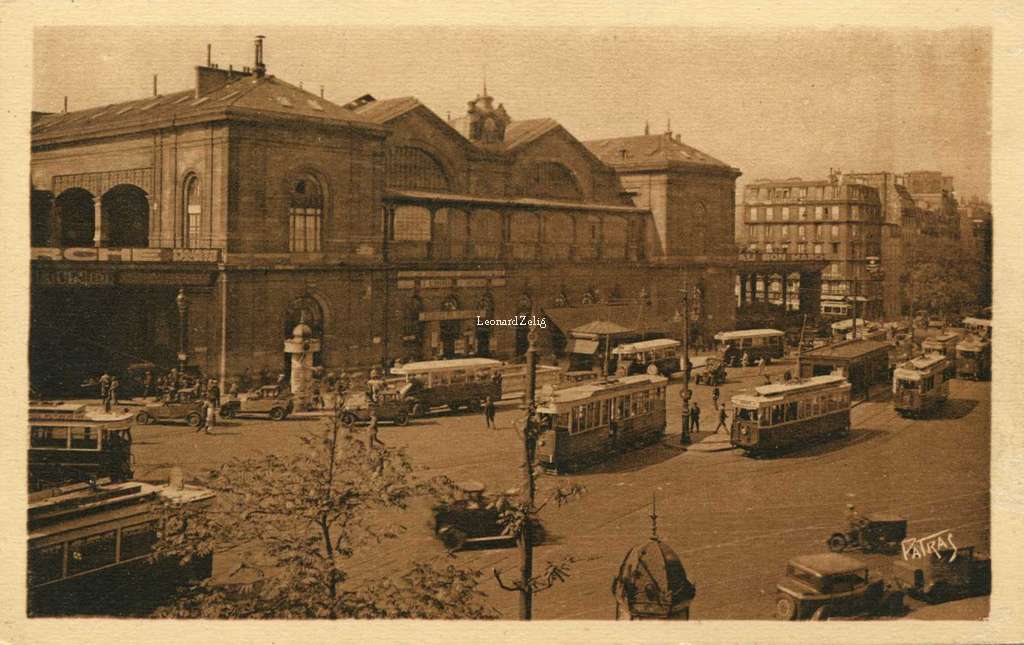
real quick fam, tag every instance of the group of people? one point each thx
(109, 385)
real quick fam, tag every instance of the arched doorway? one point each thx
(304, 309)
(451, 330)
(126, 216)
(77, 214)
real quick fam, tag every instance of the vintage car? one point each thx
(265, 400)
(189, 411)
(945, 575)
(391, 405)
(474, 519)
(823, 585)
(877, 533)
(712, 372)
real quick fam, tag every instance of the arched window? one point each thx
(306, 215)
(192, 222)
(126, 216)
(77, 221)
(552, 180)
(413, 169)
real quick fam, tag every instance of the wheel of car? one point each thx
(837, 542)
(452, 538)
(228, 412)
(454, 406)
(277, 414)
(894, 604)
(193, 419)
(348, 418)
(420, 409)
(785, 608)
(143, 418)
(402, 418)
(821, 613)
(475, 405)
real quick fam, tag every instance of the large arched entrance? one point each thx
(77, 213)
(126, 216)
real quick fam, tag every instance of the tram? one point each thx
(920, 384)
(585, 424)
(974, 358)
(90, 547)
(67, 444)
(792, 414)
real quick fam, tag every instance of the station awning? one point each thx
(581, 346)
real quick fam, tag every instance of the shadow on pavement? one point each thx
(633, 460)
(856, 436)
(954, 409)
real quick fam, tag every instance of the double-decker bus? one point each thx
(974, 358)
(90, 547)
(68, 444)
(792, 414)
(586, 423)
(920, 384)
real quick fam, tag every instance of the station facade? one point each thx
(386, 228)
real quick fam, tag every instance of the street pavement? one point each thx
(734, 520)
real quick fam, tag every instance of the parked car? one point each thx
(188, 411)
(265, 400)
(474, 518)
(946, 575)
(823, 585)
(878, 533)
(712, 372)
(391, 405)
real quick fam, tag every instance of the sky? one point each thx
(773, 102)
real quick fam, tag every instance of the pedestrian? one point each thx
(695, 417)
(214, 390)
(745, 361)
(788, 376)
(721, 420)
(147, 384)
(489, 412)
(104, 388)
(233, 389)
(613, 430)
(760, 366)
(246, 381)
(115, 384)
(715, 393)
(374, 439)
(204, 414)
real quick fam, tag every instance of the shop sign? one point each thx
(91, 254)
(70, 278)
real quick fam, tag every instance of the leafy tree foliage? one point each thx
(942, 276)
(296, 520)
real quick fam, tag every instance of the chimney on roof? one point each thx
(679, 138)
(65, 104)
(647, 128)
(321, 91)
(260, 68)
(154, 86)
(209, 54)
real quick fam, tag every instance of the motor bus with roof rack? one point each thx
(920, 384)
(658, 356)
(755, 343)
(457, 383)
(974, 358)
(793, 414)
(587, 423)
(68, 443)
(91, 547)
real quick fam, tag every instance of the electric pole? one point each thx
(529, 483)
(684, 439)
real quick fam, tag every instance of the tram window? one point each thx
(84, 439)
(792, 410)
(765, 415)
(562, 421)
(743, 414)
(137, 540)
(623, 407)
(92, 552)
(49, 437)
(605, 405)
(45, 564)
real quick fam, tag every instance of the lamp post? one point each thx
(182, 301)
(684, 438)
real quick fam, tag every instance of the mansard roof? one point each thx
(651, 150)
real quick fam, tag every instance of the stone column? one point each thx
(99, 235)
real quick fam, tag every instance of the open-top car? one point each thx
(946, 575)
(189, 411)
(390, 405)
(265, 400)
(711, 372)
(475, 519)
(823, 585)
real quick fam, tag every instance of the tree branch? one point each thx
(501, 583)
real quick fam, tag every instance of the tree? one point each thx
(295, 520)
(941, 275)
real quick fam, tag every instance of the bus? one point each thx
(67, 444)
(792, 414)
(974, 358)
(755, 343)
(920, 384)
(835, 310)
(457, 383)
(944, 344)
(659, 356)
(587, 423)
(90, 547)
(979, 327)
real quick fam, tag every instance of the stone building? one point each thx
(383, 227)
(832, 219)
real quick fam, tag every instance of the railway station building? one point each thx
(386, 228)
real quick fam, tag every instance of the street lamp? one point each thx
(182, 301)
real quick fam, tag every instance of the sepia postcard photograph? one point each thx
(473, 318)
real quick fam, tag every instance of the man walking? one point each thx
(715, 393)
(489, 413)
(105, 390)
(374, 439)
(721, 420)
(695, 417)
